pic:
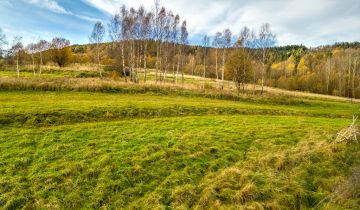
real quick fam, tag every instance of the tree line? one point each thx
(156, 41)
(57, 51)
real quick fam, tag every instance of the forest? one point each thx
(142, 40)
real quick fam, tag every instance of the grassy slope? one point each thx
(31, 108)
(213, 159)
(177, 162)
(166, 148)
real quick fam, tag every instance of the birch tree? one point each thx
(97, 37)
(158, 36)
(245, 42)
(206, 42)
(146, 32)
(167, 39)
(183, 41)
(329, 55)
(117, 35)
(31, 49)
(146, 29)
(266, 39)
(217, 44)
(16, 49)
(226, 43)
(41, 47)
(175, 40)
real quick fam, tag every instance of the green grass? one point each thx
(31, 108)
(70, 143)
(174, 162)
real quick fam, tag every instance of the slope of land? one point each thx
(66, 145)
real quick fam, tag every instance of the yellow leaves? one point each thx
(301, 63)
(291, 64)
(336, 51)
(291, 59)
(290, 67)
(275, 66)
(302, 68)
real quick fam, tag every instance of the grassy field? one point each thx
(32, 108)
(66, 145)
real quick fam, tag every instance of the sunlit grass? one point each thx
(185, 162)
(70, 140)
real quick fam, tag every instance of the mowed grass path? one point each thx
(165, 151)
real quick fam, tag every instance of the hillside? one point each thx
(179, 105)
(70, 140)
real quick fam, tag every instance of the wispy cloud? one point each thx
(87, 18)
(54, 6)
(107, 6)
(306, 22)
(51, 5)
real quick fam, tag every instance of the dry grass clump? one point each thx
(349, 133)
(183, 197)
(307, 168)
(231, 186)
(73, 67)
(346, 195)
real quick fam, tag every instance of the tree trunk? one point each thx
(262, 78)
(178, 66)
(340, 86)
(182, 71)
(254, 77)
(193, 66)
(328, 78)
(262, 73)
(123, 61)
(41, 62)
(216, 64)
(17, 65)
(33, 62)
(145, 67)
(204, 73)
(353, 78)
(157, 63)
(98, 58)
(173, 56)
(223, 70)
(160, 61)
(166, 62)
(135, 63)
(173, 70)
(133, 60)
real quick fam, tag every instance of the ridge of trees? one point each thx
(158, 40)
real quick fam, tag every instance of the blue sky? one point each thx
(72, 19)
(309, 22)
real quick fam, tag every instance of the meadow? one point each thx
(102, 144)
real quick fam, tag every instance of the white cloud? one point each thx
(87, 18)
(309, 22)
(51, 5)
